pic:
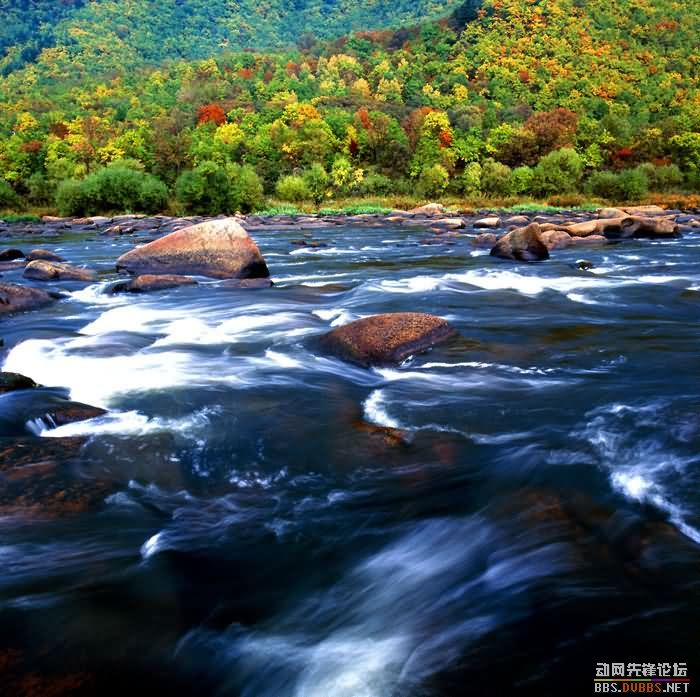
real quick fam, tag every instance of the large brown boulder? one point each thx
(14, 298)
(387, 339)
(40, 270)
(523, 244)
(149, 283)
(428, 209)
(217, 249)
(556, 239)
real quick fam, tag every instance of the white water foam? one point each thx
(640, 468)
(374, 408)
(405, 613)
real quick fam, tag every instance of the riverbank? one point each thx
(433, 217)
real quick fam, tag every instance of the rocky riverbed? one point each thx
(348, 455)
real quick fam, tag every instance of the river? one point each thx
(539, 513)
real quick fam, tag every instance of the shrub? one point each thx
(40, 189)
(604, 184)
(8, 197)
(114, 188)
(433, 181)
(559, 172)
(664, 178)
(153, 197)
(471, 179)
(293, 188)
(204, 190)
(627, 185)
(71, 198)
(374, 184)
(316, 180)
(247, 193)
(520, 181)
(634, 184)
(495, 178)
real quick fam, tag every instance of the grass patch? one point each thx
(20, 218)
(547, 208)
(358, 209)
(280, 210)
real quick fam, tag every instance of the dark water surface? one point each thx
(261, 539)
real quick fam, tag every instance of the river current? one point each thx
(540, 512)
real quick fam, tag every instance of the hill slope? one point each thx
(111, 33)
(473, 104)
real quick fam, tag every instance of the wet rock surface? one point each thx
(40, 270)
(149, 283)
(217, 249)
(38, 479)
(522, 244)
(10, 382)
(16, 298)
(387, 339)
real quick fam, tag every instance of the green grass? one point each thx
(546, 208)
(280, 210)
(20, 218)
(359, 209)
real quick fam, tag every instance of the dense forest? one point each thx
(105, 34)
(519, 98)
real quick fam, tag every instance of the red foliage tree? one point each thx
(211, 113)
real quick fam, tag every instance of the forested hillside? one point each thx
(109, 34)
(516, 98)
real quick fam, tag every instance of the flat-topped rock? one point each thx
(54, 271)
(387, 339)
(44, 255)
(217, 249)
(490, 223)
(149, 283)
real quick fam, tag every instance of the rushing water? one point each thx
(262, 541)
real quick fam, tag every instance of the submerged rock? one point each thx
(217, 249)
(387, 339)
(485, 239)
(523, 244)
(54, 271)
(38, 481)
(247, 284)
(149, 283)
(10, 382)
(15, 298)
